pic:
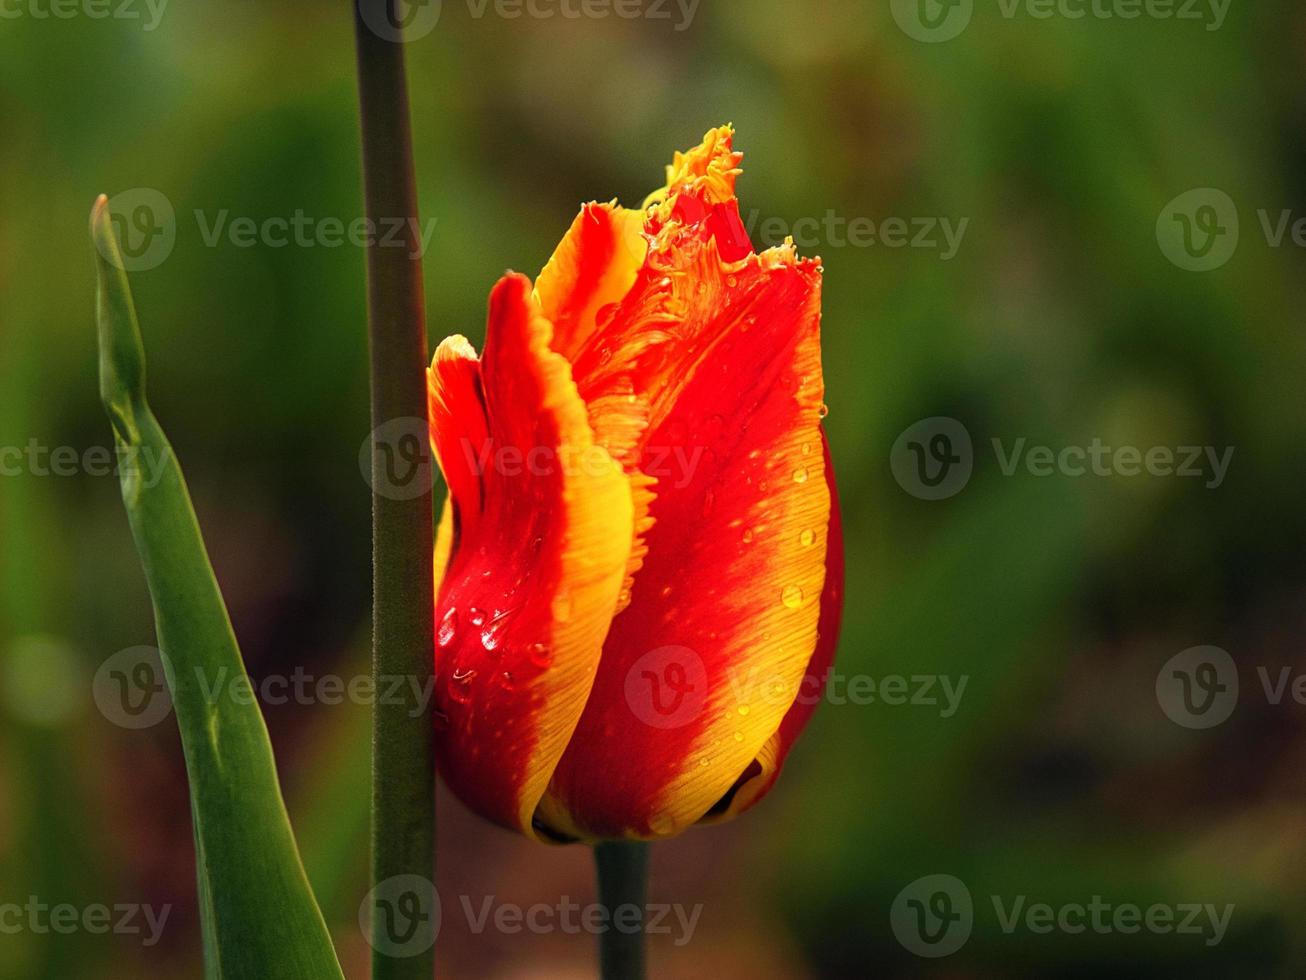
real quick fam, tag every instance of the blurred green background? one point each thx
(1058, 320)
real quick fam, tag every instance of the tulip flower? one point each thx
(639, 566)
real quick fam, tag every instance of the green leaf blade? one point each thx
(260, 918)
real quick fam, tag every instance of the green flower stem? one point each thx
(623, 884)
(403, 764)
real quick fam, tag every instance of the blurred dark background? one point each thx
(1062, 317)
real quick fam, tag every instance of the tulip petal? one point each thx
(536, 568)
(726, 357)
(593, 267)
(756, 781)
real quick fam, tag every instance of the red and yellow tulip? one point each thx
(640, 565)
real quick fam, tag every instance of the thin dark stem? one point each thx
(623, 892)
(403, 767)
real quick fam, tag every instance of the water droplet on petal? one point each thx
(792, 596)
(748, 535)
(460, 684)
(739, 736)
(800, 475)
(823, 411)
(492, 635)
(476, 616)
(807, 538)
(561, 606)
(743, 709)
(541, 656)
(448, 630)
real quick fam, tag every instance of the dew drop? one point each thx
(561, 606)
(807, 538)
(476, 616)
(507, 682)
(792, 596)
(492, 635)
(800, 475)
(807, 449)
(748, 535)
(743, 709)
(460, 685)
(739, 736)
(823, 411)
(541, 656)
(448, 630)
(666, 591)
